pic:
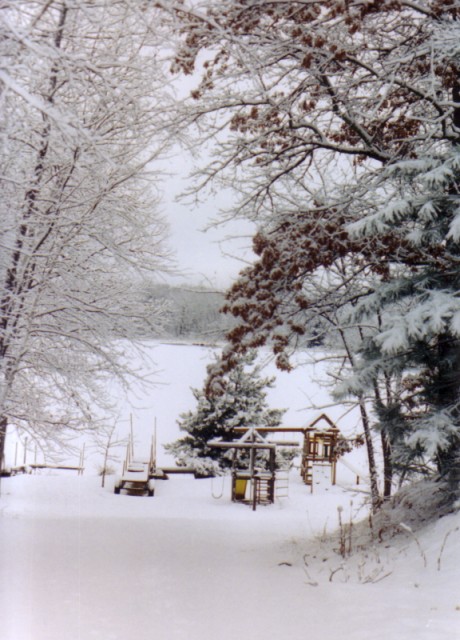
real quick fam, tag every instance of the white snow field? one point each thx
(78, 562)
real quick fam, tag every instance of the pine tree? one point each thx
(241, 403)
(419, 337)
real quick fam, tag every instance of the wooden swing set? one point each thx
(319, 447)
(252, 485)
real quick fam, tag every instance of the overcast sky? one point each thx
(213, 256)
(206, 256)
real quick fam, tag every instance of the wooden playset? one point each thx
(319, 447)
(252, 484)
(137, 477)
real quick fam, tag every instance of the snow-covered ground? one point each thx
(78, 562)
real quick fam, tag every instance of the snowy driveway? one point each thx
(78, 562)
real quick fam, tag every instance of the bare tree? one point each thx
(81, 103)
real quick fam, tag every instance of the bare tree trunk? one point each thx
(15, 287)
(107, 447)
(386, 447)
(456, 113)
(3, 427)
(373, 475)
(387, 466)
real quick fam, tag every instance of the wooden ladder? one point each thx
(282, 484)
(307, 473)
(264, 490)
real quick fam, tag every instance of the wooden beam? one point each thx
(178, 470)
(290, 429)
(55, 466)
(242, 445)
(273, 429)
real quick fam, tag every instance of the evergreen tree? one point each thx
(419, 337)
(241, 403)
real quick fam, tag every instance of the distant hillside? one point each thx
(191, 312)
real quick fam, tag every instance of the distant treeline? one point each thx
(193, 313)
(190, 312)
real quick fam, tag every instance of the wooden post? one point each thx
(132, 436)
(272, 467)
(127, 457)
(82, 460)
(153, 448)
(334, 471)
(252, 487)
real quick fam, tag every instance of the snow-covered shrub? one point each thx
(242, 403)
